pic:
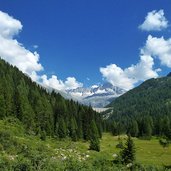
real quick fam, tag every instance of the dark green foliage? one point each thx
(114, 129)
(62, 131)
(145, 110)
(128, 153)
(41, 111)
(133, 129)
(120, 145)
(146, 127)
(94, 137)
(73, 129)
(7, 140)
(43, 135)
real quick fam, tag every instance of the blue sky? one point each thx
(76, 38)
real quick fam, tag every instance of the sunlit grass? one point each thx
(148, 152)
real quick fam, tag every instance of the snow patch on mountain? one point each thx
(97, 95)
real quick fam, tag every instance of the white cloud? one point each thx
(9, 26)
(35, 46)
(54, 82)
(159, 48)
(28, 62)
(13, 51)
(155, 48)
(94, 86)
(142, 70)
(72, 83)
(128, 77)
(154, 21)
(116, 76)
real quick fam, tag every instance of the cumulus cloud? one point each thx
(127, 78)
(155, 48)
(72, 83)
(28, 62)
(55, 83)
(142, 70)
(154, 21)
(116, 76)
(13, 51)
(9, 26)
(158, 48)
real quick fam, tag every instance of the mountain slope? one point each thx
(148, 103)
(39, 111)
(149, 96)
(96, 96)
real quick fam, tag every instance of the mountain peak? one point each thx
(98, 95)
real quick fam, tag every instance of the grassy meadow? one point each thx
(19, 150)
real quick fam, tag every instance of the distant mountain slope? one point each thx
(149, 103)
(96, 96)
(41, 111)
(150, 97)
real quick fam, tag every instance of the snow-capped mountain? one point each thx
(96, 96)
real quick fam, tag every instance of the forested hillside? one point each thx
(145, 110)
(41, 112)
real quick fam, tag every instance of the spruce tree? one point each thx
(94, 137)
(114, 129)
(134, 129)
(128, 153)
(73, 129)
(62, 130)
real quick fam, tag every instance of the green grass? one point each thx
(148, 152)
(30, 148)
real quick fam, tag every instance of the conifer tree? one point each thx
(39, 110)
(73, 129)
(134, 129)
(94, 137)
(62, 130)
(114, 129)
(128, 153)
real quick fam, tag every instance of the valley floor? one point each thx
(18, 150)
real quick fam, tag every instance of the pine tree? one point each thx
(128, 153)
(62, 130)
(114, 129)
(146, 128)
(166, 127)
(94, 137)
(73, 129)
(134, 129)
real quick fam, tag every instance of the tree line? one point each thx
(43, 112)
(143, 111)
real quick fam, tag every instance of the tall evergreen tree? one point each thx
(128, 153)
(62, 130)
(73, 129)
(114, 128)
(94, 137)
(133, 130)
